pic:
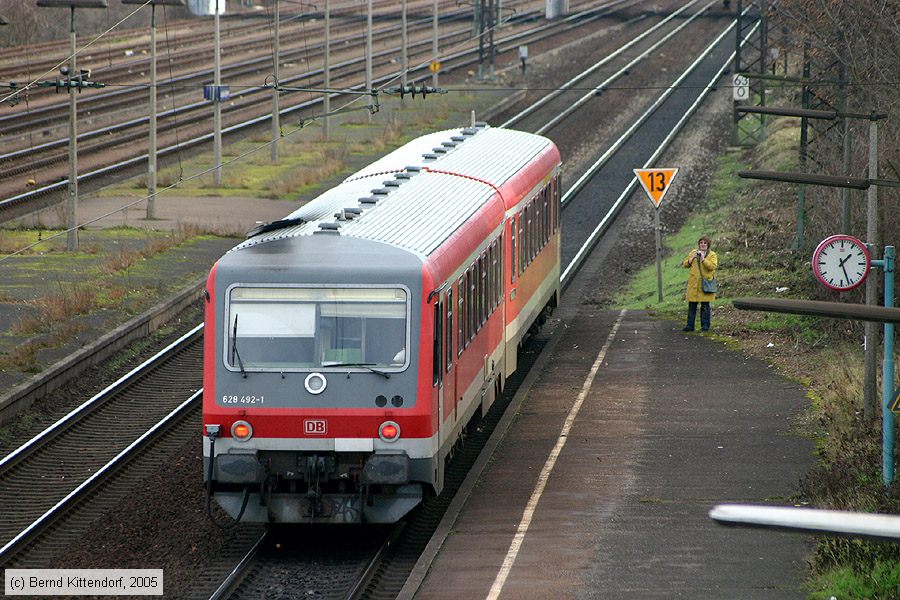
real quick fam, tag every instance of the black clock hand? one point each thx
(845, 270)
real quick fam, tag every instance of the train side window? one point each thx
(549, 211)
(557, 201)
(484, 286)
(498, 274)
(473, 301)
(438, 343)
(523, 240)
(461, 315)
(545, 230)
(449, 329)
(498, 297)
(512, 250)
(477, 292)
(495, 281)
(529, 231)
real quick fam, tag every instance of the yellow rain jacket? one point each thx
(694, 292)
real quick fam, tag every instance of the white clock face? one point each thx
(841, 262)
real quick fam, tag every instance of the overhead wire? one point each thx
(344, 108)
(78, 51)
(144, 198)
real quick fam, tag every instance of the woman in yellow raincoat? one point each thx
(702, 262)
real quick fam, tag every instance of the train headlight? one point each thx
(241, 431)
(389, 431)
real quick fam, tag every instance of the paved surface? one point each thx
(671, 424)
(224, 215)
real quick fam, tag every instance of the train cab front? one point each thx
(310, 386)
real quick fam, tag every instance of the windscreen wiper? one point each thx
(280, 224)
(363, 365)
(234, 350)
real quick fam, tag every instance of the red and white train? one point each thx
(348, 345)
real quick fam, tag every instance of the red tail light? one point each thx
(389, 431)
(241, 431)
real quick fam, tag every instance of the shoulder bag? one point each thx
(709, 286)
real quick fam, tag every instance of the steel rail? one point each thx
(540, 32)
(183, 111)
(417, 574)
(53, 512)
(594, 237)
(347, 14)
(128, 96)
(122, 455)
(586, 73)
(109, 98)
(237, 572)
(622, 71)
(120, 383)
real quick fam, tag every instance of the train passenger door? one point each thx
(439, 353)
(509, 286)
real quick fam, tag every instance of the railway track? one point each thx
(188, 70)
(400, 559)
(251, 109)
(189, 40)
(181, 119)
(86, 449)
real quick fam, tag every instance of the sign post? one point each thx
(656, 183)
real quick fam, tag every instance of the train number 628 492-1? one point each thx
(243, 399)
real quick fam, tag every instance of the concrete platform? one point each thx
(669, 424)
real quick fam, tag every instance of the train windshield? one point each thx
(288, 328)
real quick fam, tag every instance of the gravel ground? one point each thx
(163, 525)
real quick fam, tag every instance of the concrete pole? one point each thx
(845, 192)
(369, 52)
(151, 156)
(72, 201)
(404, 67)
(217, 106)
(369, 47)
(870, 390)
(276, 116)
(481, 16)
(434, 41)
(491, 24)
(326, 129)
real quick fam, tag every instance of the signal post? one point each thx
(151, 155)
(655, 182)
(70, 73)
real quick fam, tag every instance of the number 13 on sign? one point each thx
(655, 182)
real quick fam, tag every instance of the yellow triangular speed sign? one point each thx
(656, 182)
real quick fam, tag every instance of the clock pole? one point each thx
(888, 393)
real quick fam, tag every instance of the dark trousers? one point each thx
(705, 315)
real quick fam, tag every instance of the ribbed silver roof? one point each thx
(418, 202)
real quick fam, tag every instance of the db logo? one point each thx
(315, 427)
